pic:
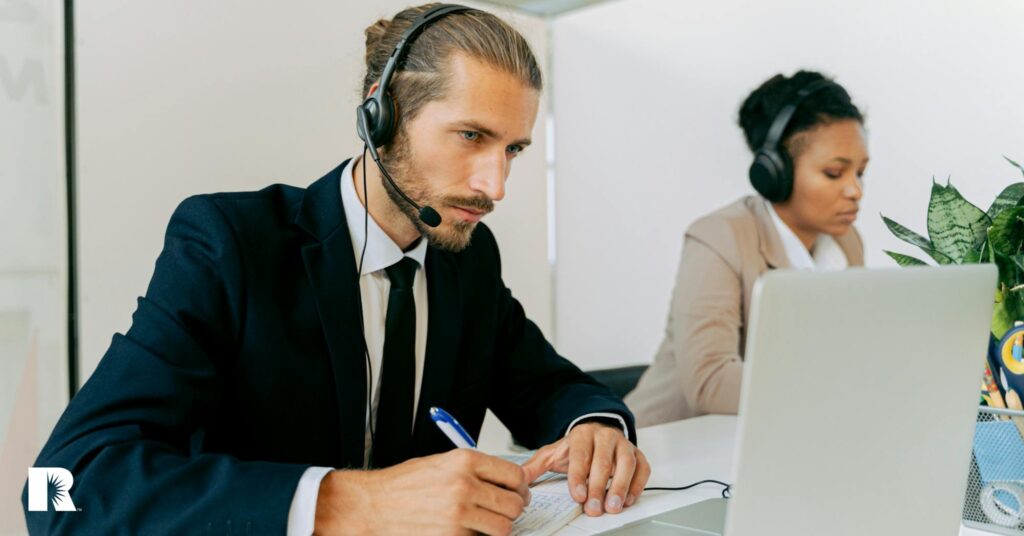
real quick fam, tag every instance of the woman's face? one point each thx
(828, 167)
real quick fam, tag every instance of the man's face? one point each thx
(456, 153)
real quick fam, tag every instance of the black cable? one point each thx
(726, 490)
(362, 326)
(390, 179)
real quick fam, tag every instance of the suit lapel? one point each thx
(772, 250)
(330, 266)
(851, 245)
(444, 322)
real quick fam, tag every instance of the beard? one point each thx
(452, 235)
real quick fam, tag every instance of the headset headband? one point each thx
(778, 127)
(401, 48)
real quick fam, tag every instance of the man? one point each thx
(279, 373)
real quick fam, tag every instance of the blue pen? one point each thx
(452, 428)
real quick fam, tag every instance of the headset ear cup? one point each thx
(785, 176)
(765, 174)
(363, 122)
(384, 127)
(379, 113)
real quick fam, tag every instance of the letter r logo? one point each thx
(50, 485)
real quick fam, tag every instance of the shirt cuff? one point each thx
(622, 422)
(302, 513)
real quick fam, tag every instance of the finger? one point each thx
(581, 451)
(498, 500)
(503, 473)
(600, 470)
(485, 521)
(538, 464)
(625, 465)
(640, 477)
(498, 471)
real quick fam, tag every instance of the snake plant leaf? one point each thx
(1007, 311)
(1002, 319)
(1011, 275)
(1009, 305)
(973, 256)
(905, 260)
(1016, 165)
(954, 224)
(1006, 235)
(915, 239)
(1011, 196)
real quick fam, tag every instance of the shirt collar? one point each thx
(381, 251)
(827, 255)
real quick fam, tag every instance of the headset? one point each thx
(771, 174)
(376, 117)
(375, 125)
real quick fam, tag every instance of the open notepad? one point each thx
(551, 507)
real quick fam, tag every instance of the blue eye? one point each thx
(469, 135)
(514, 149)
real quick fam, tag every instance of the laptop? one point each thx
(857, 407)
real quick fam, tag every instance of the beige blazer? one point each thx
(698, 367)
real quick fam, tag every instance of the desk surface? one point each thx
(680, 453)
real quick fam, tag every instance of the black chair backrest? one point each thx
(620, 380)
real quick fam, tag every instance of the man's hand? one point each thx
(591, 454)
(459, 492)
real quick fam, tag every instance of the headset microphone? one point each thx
(427, 214)
(375, 125)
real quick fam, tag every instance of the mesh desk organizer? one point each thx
(994, 500)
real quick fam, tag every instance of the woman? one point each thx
(810, 155)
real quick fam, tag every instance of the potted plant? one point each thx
(959, 233)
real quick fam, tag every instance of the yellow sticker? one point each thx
(1006, 350)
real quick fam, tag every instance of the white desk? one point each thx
(680, 453)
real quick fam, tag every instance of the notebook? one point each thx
(551, 507)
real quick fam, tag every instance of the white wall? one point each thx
(33, 260)
(178, 98)
(646, 94)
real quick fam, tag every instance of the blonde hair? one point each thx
(423, 75)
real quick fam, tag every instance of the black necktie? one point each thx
(393, 429)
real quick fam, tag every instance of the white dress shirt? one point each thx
(826, 255)
(374, 286)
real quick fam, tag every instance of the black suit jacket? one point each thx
(244, 366)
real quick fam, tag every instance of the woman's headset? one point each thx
(771, 174)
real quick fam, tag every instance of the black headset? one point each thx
(376, 117)
(771, 174)
(375, 124)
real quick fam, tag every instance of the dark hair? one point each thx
(423, 75)
(820, 108)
